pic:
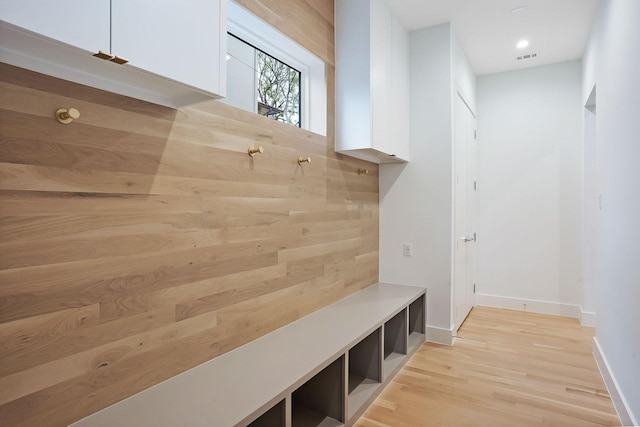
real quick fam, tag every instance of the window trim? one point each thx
(313, 88)
(300, 81)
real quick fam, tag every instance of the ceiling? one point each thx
(557, 30)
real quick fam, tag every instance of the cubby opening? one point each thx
(320, 400)
(416, 323)
(365, 370)
(395, 342)
(274, 417)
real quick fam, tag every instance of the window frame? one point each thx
(313, 86)
(258, 50)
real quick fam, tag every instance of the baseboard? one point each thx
(440, 335)
(619, 402)
(587, 318)
(534, 306)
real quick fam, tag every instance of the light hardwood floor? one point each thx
(508, 368)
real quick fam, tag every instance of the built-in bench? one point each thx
(324, 369)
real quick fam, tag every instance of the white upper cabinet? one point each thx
(169, 53)
(80, 23)
(372, 82)
(179, 40)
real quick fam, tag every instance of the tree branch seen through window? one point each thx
(279, 88)
(258, 80)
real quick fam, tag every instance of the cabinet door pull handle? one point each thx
(103, 55)
(119, 60)
(109, 57)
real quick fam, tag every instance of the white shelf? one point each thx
(417, 324)
(361, 393)
(392, 364)
(305, 417)
(415, 341)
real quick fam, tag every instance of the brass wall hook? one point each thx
(253, 151)
(302, 160)
(363, 171)
(67, 115)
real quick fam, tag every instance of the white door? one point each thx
(465, 212)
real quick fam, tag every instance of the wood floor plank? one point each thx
(508, 368)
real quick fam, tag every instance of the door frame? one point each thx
(471, 216)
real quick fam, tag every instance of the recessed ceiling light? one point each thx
(522, 44)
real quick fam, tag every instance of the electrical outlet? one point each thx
(408, 249)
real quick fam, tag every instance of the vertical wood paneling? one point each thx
(140, 241)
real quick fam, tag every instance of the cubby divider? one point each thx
(416, 323)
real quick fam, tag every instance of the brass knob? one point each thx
(253, 151)
(363, 171)
(302, 160)
(67, 115)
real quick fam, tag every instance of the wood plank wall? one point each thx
(140, 241)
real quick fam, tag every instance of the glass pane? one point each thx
(261, 83)
(278, 90)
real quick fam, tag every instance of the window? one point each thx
(261, 83)
(270, 74)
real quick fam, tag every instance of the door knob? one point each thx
(468, 239)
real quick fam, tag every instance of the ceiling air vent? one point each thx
(528, 56)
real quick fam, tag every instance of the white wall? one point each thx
(464, 79)
(530, 186)
(611, 64)
(591, 212)
(415, 198)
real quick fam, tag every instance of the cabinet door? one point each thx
(381, 77)
(80, 23)
(184, 41)
(399, 114)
